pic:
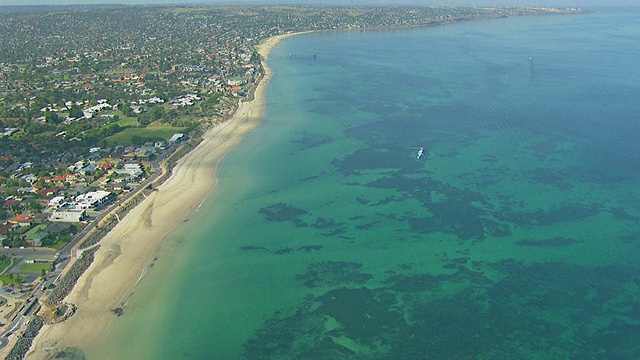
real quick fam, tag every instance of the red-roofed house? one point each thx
(51, 190)
(22, 219)
(11, 202)
(63, 177)
(6, 227)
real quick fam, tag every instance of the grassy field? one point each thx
(126, 121)
(62, 240)
(6, 280)
(124, 137)
(5, 263)
(35, 267)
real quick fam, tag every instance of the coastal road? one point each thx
(20, 318)
(64, 254)
(27, 251)
(65, 251)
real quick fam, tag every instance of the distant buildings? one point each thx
(186, 100)
(102, 104)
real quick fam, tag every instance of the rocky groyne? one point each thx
(66, 283)
(23, 344)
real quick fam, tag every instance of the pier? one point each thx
(294, 56)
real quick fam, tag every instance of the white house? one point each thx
(92, 199)
(57, 202)
(68, 215)
(129, 172)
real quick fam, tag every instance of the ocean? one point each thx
(516, 236)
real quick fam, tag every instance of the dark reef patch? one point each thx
(547, 308)
(553, 242)
(484, 177)
(324, 223)
(310, 248)
(564, 213)
(375, 158)
(362, 201)
(283, 212)
(281, 251)
(462, 212)
(550, 177)
(622, 214)
(631, 238)
(333, 273)
(71, 353)
(365, 315)
(254, 248)
(309, 141)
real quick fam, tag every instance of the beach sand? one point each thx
(129, 249)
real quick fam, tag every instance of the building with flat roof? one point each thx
(92, 199)
(177, 137)
(57, 202)
(68, 215)
(40, 259)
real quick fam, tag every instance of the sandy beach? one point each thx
(128, 250)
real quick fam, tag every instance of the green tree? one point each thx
(35, 206)
(109, 130)
(52, 117)
(145, 119)
(137, 140)
(126, 109)
(157, 112)
(75, 111)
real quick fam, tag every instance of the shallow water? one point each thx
(516, 236)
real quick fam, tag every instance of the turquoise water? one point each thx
(515, 237)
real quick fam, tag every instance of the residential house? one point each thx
(13, 202)
(24, 219)
(51, 190)
(34, 236)
(57, 202)
(68, 215)
(6, 227)
(129, 172)
(64, 178)
(92, 199)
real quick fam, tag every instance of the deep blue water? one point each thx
(517, 236)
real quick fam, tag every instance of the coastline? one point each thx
(141, 222)
(130, 248)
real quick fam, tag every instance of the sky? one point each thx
(558, 3)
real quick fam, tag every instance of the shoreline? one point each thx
(130, 248)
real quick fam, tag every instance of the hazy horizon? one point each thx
(555, 3)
